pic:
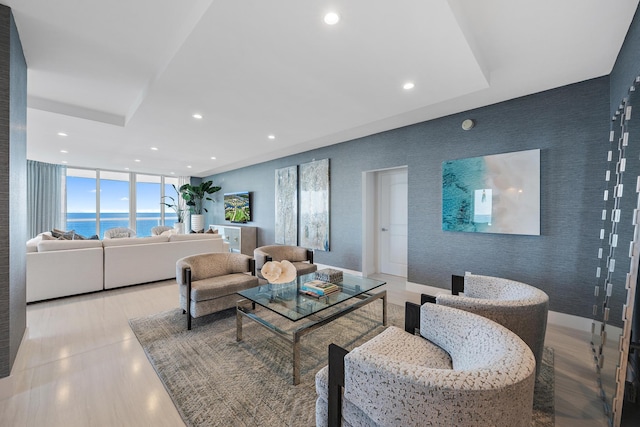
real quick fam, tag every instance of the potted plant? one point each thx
(178, 208)
(195, 196)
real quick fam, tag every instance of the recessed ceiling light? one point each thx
(172, 173)
(137, 160)
(126, 169)
(64, 162)
(197, 116)
(62, 134)
(213, 158)
(188, 167)
(271, 137)
(408, 86)
(64, 151)
(154, 148)
(331, 18)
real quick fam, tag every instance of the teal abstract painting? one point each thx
(499, 193)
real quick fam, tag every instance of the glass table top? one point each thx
(287, 300)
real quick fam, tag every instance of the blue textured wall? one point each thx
(625, 71)
(627, 65)
(570, 127)
(13, 193)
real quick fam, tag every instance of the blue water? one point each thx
(460, 179)
(85, 223)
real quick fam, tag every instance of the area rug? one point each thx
(216, 381)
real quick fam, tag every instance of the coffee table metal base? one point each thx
(244, 309)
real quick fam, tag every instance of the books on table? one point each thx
(319, 288)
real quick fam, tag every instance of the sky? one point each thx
(114, 195)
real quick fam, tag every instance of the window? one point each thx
(148, 196)
(81, 201)
(99, 200)
(114, 201)
(170, 216)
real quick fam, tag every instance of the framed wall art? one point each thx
(498, 193)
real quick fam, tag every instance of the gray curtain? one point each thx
(45, 197)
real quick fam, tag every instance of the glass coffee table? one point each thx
(287, 301)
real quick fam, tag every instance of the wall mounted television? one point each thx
(237, 207)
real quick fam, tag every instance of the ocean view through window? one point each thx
(113, 193)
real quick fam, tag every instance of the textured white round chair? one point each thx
(519, 307)
(464, 370)
(159, 229)
(118, 232)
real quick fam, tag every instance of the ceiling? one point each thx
(119, 77)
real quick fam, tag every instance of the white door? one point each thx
(392, 222)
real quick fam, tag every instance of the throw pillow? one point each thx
(212, 231)
(58, 232)
(66, 235)
(48, 237)
(120, 235)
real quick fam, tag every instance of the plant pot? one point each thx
(197, 222)
(179, 227)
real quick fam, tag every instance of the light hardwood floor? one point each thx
(81, 365)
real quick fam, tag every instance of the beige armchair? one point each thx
(208, 282)
(301, 258)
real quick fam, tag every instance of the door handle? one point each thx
(385, 229)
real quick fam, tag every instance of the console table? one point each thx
(242, 238)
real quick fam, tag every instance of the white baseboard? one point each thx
(425, 289)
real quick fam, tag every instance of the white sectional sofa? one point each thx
(130, 261)
(64, 267)
(58, 268)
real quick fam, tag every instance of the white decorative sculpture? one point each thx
(278, 272)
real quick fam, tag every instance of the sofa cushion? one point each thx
(216, 287)
(32, 244)
(62, 245)
(194, 236)
(126, 241)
